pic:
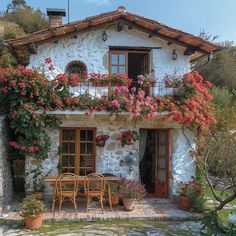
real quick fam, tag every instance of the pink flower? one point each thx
(48, 60)
(14, 114)
(22, 85)
(115, 103)
(36, 148)
(13, 144)
(22, 148)
(100, 142)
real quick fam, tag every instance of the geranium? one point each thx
(128, 137)
(101, 139)
(147, 79)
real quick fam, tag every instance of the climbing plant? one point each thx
(25, 95)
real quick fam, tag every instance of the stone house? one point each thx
(116, 42)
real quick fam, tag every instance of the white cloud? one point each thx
(100, 2)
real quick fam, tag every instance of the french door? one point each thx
(162, 163)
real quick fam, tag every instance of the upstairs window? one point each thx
(77, 68)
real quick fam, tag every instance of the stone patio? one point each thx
(148, 209)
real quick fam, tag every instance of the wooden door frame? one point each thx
(167, 130)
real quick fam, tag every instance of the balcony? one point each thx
(107, 89)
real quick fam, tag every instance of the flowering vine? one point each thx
(25, 91)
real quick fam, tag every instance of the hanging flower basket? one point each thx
(97, 83)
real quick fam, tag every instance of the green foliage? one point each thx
(221, 70)
(222, 96)
(29, 19)
(31, 206)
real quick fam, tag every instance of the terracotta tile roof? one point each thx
(195, 46)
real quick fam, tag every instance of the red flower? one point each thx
(31, 149)
(13, 144)
(48, 60)
(22, 85)
(100, 142)
(14, 114)
(36, 148)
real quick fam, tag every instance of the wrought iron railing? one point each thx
(105, 90)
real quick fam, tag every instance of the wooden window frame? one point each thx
(77, 141)
(126, 53)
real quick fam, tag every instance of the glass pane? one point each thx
(122, 69)
(121, 59)
(114, 59)
(65, 147)
(162, 137)
(82, 148)
(82, 135)
(89, 161)
(89, 171)
(82, 161)
(65, 134)
(162, 150)
(64, 161)
(72, 148)
(89, 148)
(72, 135)
(82, 172)
(114, 69)
(161, 163)
(90, 135)
(64, 170)
(72, 161)
(71, 170)
(161, 175)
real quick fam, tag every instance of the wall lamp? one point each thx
(174, 55)
(104, 36)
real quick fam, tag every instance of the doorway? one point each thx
(154, 162)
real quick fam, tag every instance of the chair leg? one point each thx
(53, 205)
(101, 198)
(75, 205)
(88, 200)
(60, 203)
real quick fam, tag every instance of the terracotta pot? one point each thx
(129, 203)
(184, 202)
(99, 83)
(33, 221)
(114, 200)
(39, 196)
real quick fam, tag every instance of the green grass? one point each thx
(223, 214)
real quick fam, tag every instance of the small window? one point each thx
(77, 68)
(118, 62)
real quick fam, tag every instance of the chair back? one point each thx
(94, 182)
(66, 182)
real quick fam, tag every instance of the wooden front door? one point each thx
(162, 164)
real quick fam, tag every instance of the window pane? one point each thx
(114, 69)
(162, 137)
(65, 134)
(82, 135)
(89, 161)
(82, 172)
(72, 148)
(72, 161)
(82, 161)
(121, 59)
(122, 69)
(90, 135)
(65, 147)
(64, 161)
(89, 148)
(114, 59)
(82, 148)
(72, 135)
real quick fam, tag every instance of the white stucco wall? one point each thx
(93, 51)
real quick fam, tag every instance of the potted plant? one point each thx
(131, 191)
(147, 80)
(187, 192)
(173, 81)
(114, 187)
(32, 211)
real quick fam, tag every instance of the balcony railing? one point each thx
(157, 89)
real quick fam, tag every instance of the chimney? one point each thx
(55, 16)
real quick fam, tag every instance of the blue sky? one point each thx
(217, 17)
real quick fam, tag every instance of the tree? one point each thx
(16, 4)
(29, 19)
(217, 159)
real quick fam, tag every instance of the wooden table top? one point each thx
(51, 179)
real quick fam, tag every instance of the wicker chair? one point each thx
(66, 187)
(94, 186)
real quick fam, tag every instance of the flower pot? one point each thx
(129, 203)
(33, 221)
(39, 196)
(147, 84)
(184, 202)
(99, 83)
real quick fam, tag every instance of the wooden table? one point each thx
(109, 179)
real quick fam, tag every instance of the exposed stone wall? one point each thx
(93, 51)
(6, 188)
(108, 158)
